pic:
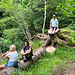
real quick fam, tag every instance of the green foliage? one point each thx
(46, 31)
(61, 43)
(18, 44)
(71, 26)
(11, 24)
(8, 22)
(69, 42)
(13, 34)
(67, 8)
(4, 44)
(33, 12)
(72, 35)
(3, 61)
(38, 24)
(36, 44)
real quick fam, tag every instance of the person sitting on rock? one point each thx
(53, 25)
(12, 56)
(26, 52)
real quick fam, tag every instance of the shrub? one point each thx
(71, 26)
(13, 35)
(18, 44)
(4, 44)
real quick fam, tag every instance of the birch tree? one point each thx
(44, 18)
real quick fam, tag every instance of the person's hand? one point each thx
(8, 52)
(22, 54)
(3, 55)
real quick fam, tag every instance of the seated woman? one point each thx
(12, 56)
(26, 52)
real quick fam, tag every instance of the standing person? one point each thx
(12, 56)
(53, 25)
(26, 52)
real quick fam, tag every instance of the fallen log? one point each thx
(22, 65)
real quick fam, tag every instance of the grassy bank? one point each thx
(45, 65)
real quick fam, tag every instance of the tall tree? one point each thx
(15, 9)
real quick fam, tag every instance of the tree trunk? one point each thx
(44, 18)
(27, 30)
(18, 13)
(21, 26)
(22, 65)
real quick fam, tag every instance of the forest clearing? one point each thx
(31, 20)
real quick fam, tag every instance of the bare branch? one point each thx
(38, 3)
(44, 18)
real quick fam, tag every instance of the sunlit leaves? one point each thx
(67, 9)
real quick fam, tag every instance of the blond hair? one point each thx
(12, 47)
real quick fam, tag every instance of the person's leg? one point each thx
(2, 67)
(29, 56)
(57, 30)
(25, 59)
(51, 30)
(54, 30)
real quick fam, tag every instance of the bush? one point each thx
(18, 44)
(71, 26)
(72, 35)
(13, 35)
(4, 44)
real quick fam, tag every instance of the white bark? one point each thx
(20, 14)
(27, 30)
(21, 26)
(44, 18)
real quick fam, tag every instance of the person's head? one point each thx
(53, 16)
(12, 48)
(26, 43)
